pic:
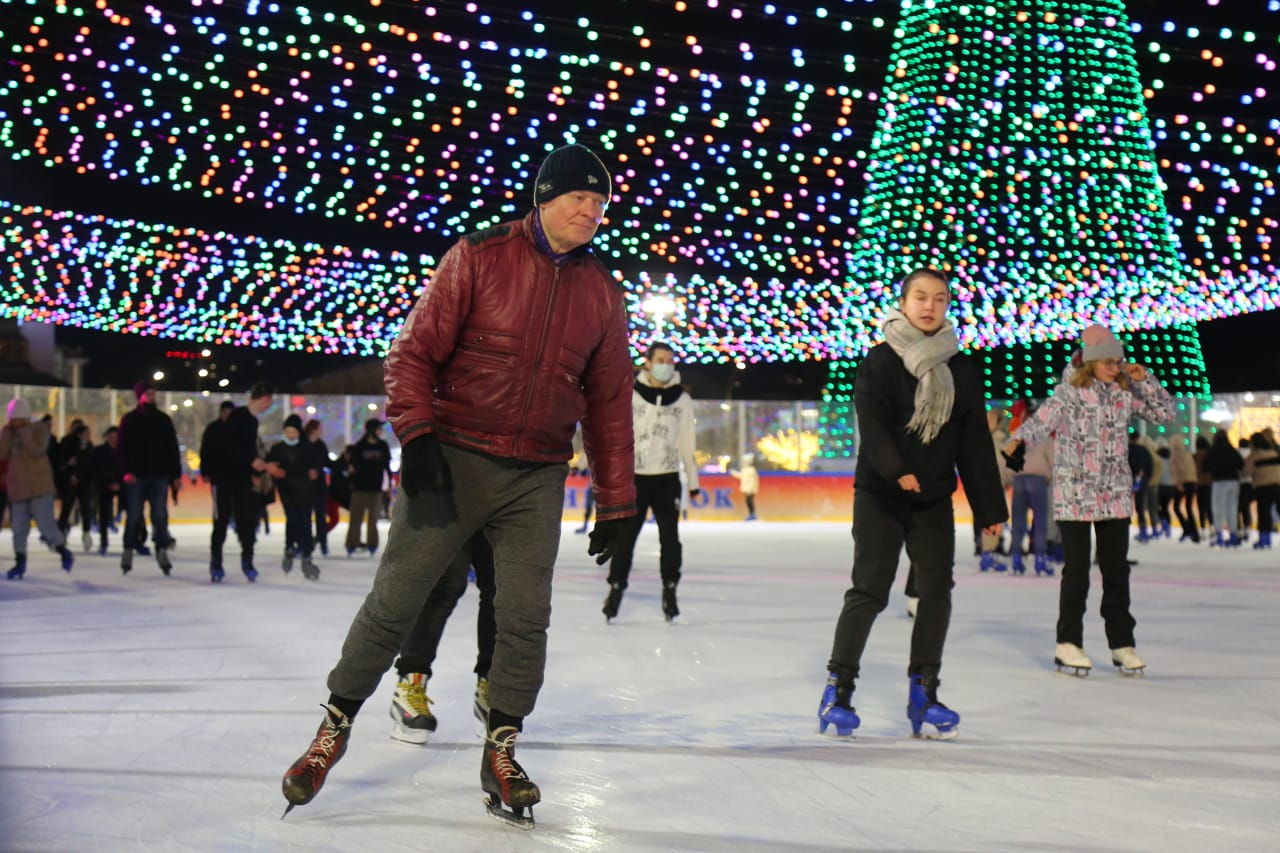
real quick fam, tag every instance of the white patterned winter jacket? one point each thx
(663, 419)
(1091, 476)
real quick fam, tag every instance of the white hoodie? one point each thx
(663, 418)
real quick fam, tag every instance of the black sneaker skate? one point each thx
(505, 781)
(310, 570)
(612, 601)
(306, 777)
(287, 562)
(126, 561)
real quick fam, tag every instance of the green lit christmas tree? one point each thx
(1013, 151)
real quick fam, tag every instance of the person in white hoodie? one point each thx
(662, 411)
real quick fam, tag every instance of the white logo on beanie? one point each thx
(591, 179)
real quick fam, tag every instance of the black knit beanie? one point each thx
(570, 168)
(294, 421)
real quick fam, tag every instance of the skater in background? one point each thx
(292, 466)
(748, 483)
(24, 447)
(1245, 521)
(1165, 490)
(1185, 476)
(990, 544)
(72, 483)
(662, 411)
(318, 460)
(370, 458)
(106, 480)
(1224, 465)
(1153, 485)
(521, 335)
(236, 493)
(921, 416)
(410, 706)
(1089, 414)
(1204, 487)
(581, 470)
(1142, 469)
(1031, 494)
(152, 465)
(1264, 465)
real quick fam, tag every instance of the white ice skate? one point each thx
(1072, 657)
(1127, 661)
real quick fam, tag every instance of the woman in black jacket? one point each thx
(922, 417)
(317, 453)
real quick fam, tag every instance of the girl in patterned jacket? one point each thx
(1092, 486)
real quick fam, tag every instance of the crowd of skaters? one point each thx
(123, 484)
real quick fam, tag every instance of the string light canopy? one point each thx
(754, 147)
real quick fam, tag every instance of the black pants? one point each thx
(419, 650)
(1268, 498)
(1142, 507)
(1204, 503)
(242, 503)
(1113, 554)
(297, 525)
(661, 493)
(1164, 497)
(106, 513)
(882, 526)
(71, 496)
(1184, 506)
(319, 510)
(1246, 511)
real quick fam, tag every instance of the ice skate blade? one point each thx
(287, 809)
(408, 735)
(1077, 671)
(512, 817)
(835, 733)
(1136, 672)
(949, 734)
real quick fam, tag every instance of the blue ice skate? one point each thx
(1042, 566)
(834, 712)
(989, 563)
(924, 709)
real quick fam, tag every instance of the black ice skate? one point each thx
(306, 777)
(612, 601)
(162, 559)
(505, 781)
(669, 606)
(310, 570)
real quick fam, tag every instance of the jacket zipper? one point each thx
(542, 337)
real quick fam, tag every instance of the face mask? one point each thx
(662, 372)
(290, 441)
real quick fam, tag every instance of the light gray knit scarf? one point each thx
(925, 357)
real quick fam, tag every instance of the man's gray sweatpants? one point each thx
(519, 510)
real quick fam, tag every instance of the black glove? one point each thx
(693, 493)
(427, 482)
(1017, 460)
(607, 537)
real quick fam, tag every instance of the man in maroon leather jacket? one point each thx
(521, 335)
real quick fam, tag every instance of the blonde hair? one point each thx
(1083, 376)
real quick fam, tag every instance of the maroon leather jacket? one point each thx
(505, 353)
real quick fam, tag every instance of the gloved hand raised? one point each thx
(607, 537)
(1017, 460)
(427, 482)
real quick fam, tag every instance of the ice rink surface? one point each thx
(158, 714)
